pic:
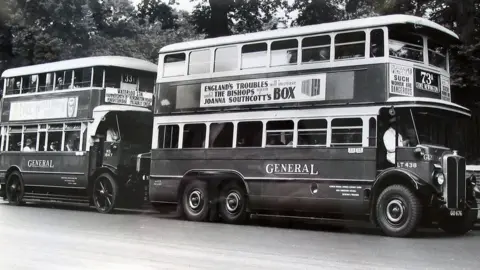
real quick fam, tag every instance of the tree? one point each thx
(225, 17)
(153, 11)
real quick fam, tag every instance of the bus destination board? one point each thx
(264, 91)
(128, 97)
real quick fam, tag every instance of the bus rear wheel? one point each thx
(15, 189)
(233, 203)
(398, 211)
(105, 193)
(195, 201)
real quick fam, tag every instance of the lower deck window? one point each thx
(249, 134)
(347, 132)
(280, 133)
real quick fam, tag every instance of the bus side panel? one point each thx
(55, 169)
(288, 179)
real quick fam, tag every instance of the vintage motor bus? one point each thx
(302, 122)
(71, 131)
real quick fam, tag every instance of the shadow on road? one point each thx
(362, 228)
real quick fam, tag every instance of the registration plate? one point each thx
(456, 213)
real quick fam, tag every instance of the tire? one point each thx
(460, 225)
(398, 211)
(105, 193)
(233, 204)
(196, 201)
(15, 189)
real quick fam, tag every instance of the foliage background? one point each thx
(38, 31)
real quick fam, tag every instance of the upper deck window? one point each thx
(64, 79)
(199, 62)
(226, 59)
(82, 77)
(437, 55)
(254, 55)
(284, 52)
(29, 84)
(405, 45)
(350, 45)
(174, 65)
(13, 86)
(316, 49)
(46, 82)
(377, 43)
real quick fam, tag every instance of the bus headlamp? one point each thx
(440, 178)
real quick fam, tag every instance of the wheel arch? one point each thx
(397, 176)
(110, 170)
(215, 178)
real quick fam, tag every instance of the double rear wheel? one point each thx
(197, 202)
(15, 188)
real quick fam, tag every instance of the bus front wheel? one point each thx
(195, 201)
(15, 188)
(398, 211)
(105, 192)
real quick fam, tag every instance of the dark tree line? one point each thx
(38, 31)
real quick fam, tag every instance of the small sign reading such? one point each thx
(401, 80)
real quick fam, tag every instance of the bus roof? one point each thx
(111, 61)
(378, 21)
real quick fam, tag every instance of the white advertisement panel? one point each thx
(128, 97)
(264, 91)
(401, 80)
(44, 109)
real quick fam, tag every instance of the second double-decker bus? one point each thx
(71, 131)
(345, 120)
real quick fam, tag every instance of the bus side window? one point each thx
(194, 135)
(82, 77)
(199, 62)
(350, 45)
(168, 136)
(15, 138)
(11, 86)
(55, 133)
(284, 52)
(226, 59)
(30, 138)
(72, 137)
(312, 132)
(46, 82)
(221, 135)
(280, 133)
(372, 132)
(347, 132)
(174, 65)
(29, 84)
(316, 49)
(254, 55)
(113, 77)
(249, 134)
(377, 45)
(98, 76)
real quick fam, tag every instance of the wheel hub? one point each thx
(233, 201)
(195, 199)
(395, 210)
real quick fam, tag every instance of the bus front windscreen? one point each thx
(438, 127)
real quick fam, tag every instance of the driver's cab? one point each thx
(120, 136)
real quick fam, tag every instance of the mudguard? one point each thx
(415, 180)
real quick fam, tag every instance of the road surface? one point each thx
(42, 237)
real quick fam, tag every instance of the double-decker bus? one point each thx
(71, 131)
(344, 120)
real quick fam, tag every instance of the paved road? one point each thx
(39, 237)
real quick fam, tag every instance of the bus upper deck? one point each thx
(356, 61)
